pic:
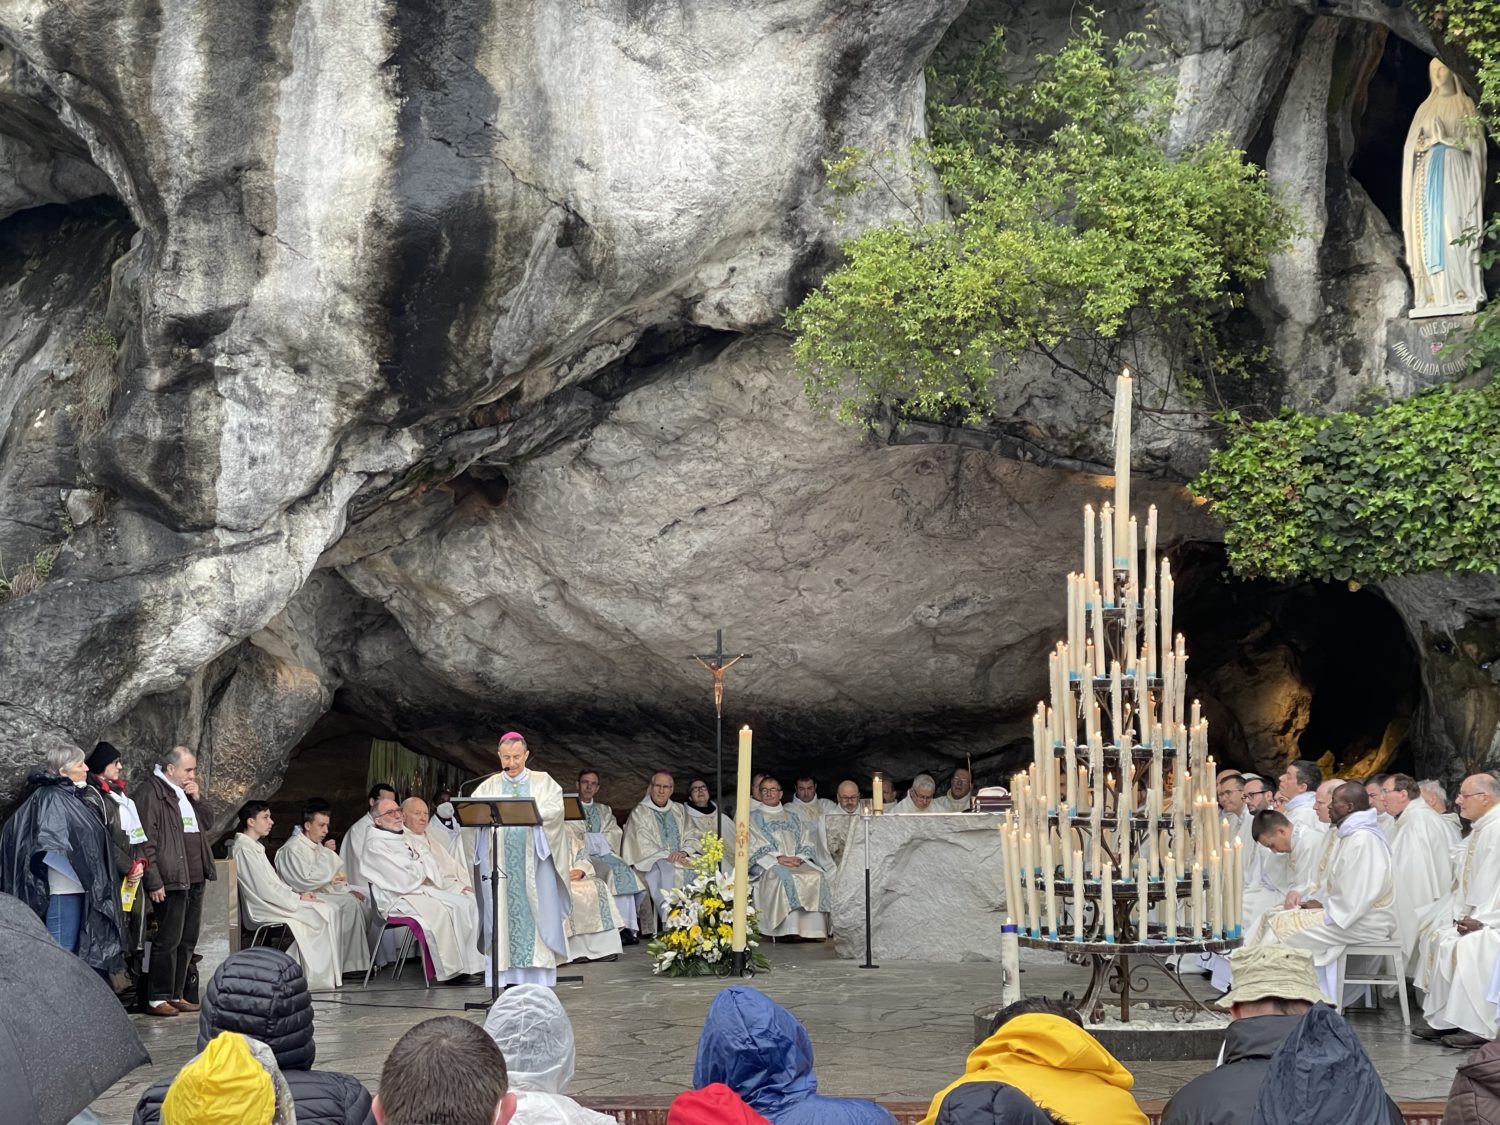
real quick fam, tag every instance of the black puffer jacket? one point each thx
(261, 993)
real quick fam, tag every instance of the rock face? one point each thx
(421, 361)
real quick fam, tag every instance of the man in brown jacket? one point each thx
(1475, 1097)
(180, 865)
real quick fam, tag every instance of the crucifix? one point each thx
(718, 662)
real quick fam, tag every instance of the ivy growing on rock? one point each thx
(1413, 486)
(1070, 229)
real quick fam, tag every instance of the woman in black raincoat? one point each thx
(55, 857)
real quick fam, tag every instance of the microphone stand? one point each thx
(485, 1005)
(869, 929)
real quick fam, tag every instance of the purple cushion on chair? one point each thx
(416, 930)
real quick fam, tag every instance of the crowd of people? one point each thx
(1288, 1058)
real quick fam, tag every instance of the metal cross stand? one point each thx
(718, 662)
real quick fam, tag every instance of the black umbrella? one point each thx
(65, 1038)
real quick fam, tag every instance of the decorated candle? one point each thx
(1107, 900)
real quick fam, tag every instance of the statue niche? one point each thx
(1442, 193)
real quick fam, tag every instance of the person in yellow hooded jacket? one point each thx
(1040, 1047)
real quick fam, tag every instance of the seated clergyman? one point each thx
(960, 794)
(919, 798)
(602, 840)
(839, 827)
(1352, 900)
(791, 891)
(656, 842)
(309, 864)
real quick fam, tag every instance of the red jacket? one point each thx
(715, 1104)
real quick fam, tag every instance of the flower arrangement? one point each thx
(695, 941)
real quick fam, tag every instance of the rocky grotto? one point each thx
(418, 371)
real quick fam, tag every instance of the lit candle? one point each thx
(1107, 898)
(1078, 899)
(877, 796)
(741, 844)
(1083, 790)
(1169, 907)
(1151, 545)
(1124, 392)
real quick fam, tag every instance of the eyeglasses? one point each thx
(1256, 792)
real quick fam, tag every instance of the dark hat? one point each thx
(103, 754)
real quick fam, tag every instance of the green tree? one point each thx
(1070, 230)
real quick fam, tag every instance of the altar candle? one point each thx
(1134, 534)
(1050, 892)
(1116, 704)
(1107, 898)
(1166, 591)
(1237, 887)
(1195, 903)
(1148, 630)
(742, 844)
(1090, 549)
(1070, 764)
(1215, 896)
(1169, 904)
(1078, 898)
(1107, 532)
(1098, 632)
(877, 796)
(1124, 393)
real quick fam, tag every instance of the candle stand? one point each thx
(1116, 854)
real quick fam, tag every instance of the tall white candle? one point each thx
(1215, 896)
(1151, 545)
(1028, 885)
(1090, 548)
(1132, 539)
(1107, 532)
(1124, 394)
(1124, 807)
(1237, 887)
(1049, 891)
(738, 937)
(1148, 631)
(1195, 907)
(1107, 898)
(1169, 905)
(1078, 899)
(1164, 607)
(1070, 766)
(1098, 623)
(1116, 705)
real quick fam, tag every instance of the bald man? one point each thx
(656, 843)
(841, 825)
(1352, 902)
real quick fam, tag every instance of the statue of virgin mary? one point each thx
(1442, 193)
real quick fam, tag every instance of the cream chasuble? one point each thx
(651, 834)
(402, 886)
(1422, 853)
(320, 939)
(593, 926)
(788, 900)
(602, 839)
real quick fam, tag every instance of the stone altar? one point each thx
(936, 888)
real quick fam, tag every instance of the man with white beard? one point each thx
(308, 865)
(919, 798)
(839, 828)
(656, 843)
(403, 885)
(1460, 941)
(1422, 854)
(1356, 903)
(791, 893)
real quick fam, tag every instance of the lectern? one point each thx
(495, 813)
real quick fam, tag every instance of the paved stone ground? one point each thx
(899, 1032)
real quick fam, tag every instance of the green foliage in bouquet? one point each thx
(695, 941)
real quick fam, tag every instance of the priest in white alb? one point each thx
(353, 840)
(656, 843)
(534, 904)
(839, 831)
(1437, 800)
(1385, 820)
(442, 868)
(1298, 786)
(703, 819)
(1355, 899)
(1422, 852)
(403, 885)
(593, 925)
(919, 798)
(603, 838)
(1460, 939)
(307, 865)
(321, 945)
(960, 794)
(791, 892)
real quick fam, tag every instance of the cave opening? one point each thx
(1318, 670)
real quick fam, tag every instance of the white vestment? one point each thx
(534, 904)
(1387, 824)
(593, 926)
(906, 806)
(349, 848)
(439, 863)
(306, 866)
(1422, 853)
(948, 803)
(1357, 896)
(788, 900)
(811, 814)
(402, 886)
(651, 834)
(603, 838)
(701, 824)
(450, 838)
(1457, 971)
(320, 940)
